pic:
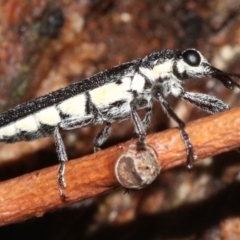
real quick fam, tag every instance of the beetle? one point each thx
(115, 95)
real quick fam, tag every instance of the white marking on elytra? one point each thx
(138, 83)
(110, 93)
(27, 124)
(74, 106)
(8, 130)
(147, 72)
(49, 116)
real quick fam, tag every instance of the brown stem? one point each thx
(35, 193)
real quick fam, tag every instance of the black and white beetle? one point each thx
(114, 95)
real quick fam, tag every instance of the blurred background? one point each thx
(46, 45)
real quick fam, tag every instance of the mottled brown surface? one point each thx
(45, 45)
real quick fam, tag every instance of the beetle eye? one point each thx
(191, 57)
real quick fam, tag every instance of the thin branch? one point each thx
(37, 193)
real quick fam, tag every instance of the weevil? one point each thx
(115, 95)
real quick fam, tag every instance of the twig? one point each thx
(37, 193)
